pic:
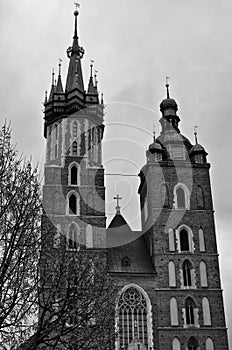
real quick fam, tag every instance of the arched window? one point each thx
(181, 197)
(187, 274)
(200, 198)
(74, 174)
(171, 240)
(164, 196)
(201, 240)
(74, 148)
(184, 241)
(89, 236)
(189, 311)
(74, 129)
(73, 237)
(206, 312)
(172, 274)
(209, 344)
(134, 313)
(73, 204)
(174, 312)
(176, 344)
(184, 236)
(203, 274)
(192, 344)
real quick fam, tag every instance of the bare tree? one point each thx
(50, 297)
(20, 210)
(77, 301)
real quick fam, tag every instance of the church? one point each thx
(170, 294)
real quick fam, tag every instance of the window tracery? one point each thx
(132, 308)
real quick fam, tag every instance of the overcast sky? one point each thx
(135, 45)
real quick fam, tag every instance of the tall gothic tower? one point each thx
(74, 192)
(179, 230)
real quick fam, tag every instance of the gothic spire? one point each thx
(75, 54)
(91, 88)
(53, 86)
(59, 86)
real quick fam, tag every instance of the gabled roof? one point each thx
(122, 243)
(137, 253)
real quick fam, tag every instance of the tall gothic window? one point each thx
(184, 241)
(73, 204)
(133, 315)
(189, 311)
(180, 198)
(74, 174)
(192, 344)
(187, 276)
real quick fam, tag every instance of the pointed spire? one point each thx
(59, 87)
(53, 87)
(75, 54)
(91, 88)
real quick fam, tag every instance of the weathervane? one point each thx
(77, 5)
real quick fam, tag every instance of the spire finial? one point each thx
(118, 198)
(76, 13)
(154, 131)
(53, 76)
(167, 86)
(195, 133)
(91, 68)
(60, 62)
(95, 78)
(46, 97)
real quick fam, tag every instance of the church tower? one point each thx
(167, 274)
(74, 192)
(179, 230)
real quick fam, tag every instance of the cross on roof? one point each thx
(118, 198)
